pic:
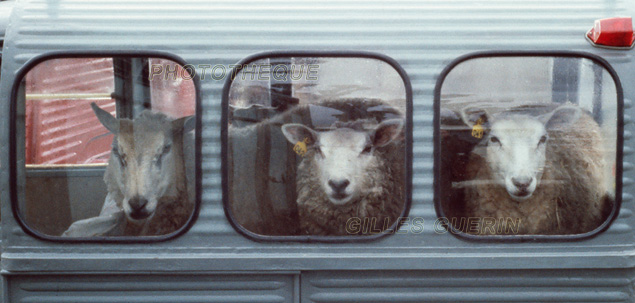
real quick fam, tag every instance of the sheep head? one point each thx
(146, 161)
(344, 156)
(515, 147)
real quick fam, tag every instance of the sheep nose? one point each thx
(339, 186)
(522, 182)
(137, 203)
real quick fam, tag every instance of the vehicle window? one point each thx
(105, 147)
(316, 146)
(528, 145)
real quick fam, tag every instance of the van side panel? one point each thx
(212, 262)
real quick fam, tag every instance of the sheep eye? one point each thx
(543, 139)
(494, 140)
(122, 159)
(367, 149)
(166, 149)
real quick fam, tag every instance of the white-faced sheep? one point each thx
(349, 172)
(149, 177)
(263, 168)
(547, 171)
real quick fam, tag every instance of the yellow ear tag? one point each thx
(300, 147)
(477, 129)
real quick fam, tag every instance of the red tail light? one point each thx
(612, 32)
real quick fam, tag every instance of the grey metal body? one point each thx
(214, 263)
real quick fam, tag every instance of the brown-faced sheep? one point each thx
(262, 166)
(149, 177)
(546, 170)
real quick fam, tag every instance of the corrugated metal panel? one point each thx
(422, 36)
(153, 289)
(468, 286)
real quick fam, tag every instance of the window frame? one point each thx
(13, 166)
(618, 152)
(315, 54)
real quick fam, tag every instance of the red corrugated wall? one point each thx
(66, 131)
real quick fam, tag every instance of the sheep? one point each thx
(349, 172)
(545, 170)
(457, 143)
(149, 177)
(262, 166)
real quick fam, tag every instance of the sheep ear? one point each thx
(188, 124)
(299, 133)
(562, 116)
(473, 116)
(387, 131)
(106, 119)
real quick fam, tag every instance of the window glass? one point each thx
(52, 113)
(106, 147)
(528, 146)
(316, 146)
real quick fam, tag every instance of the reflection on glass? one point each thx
(528, 146)
(107, 146)
(316, 146)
